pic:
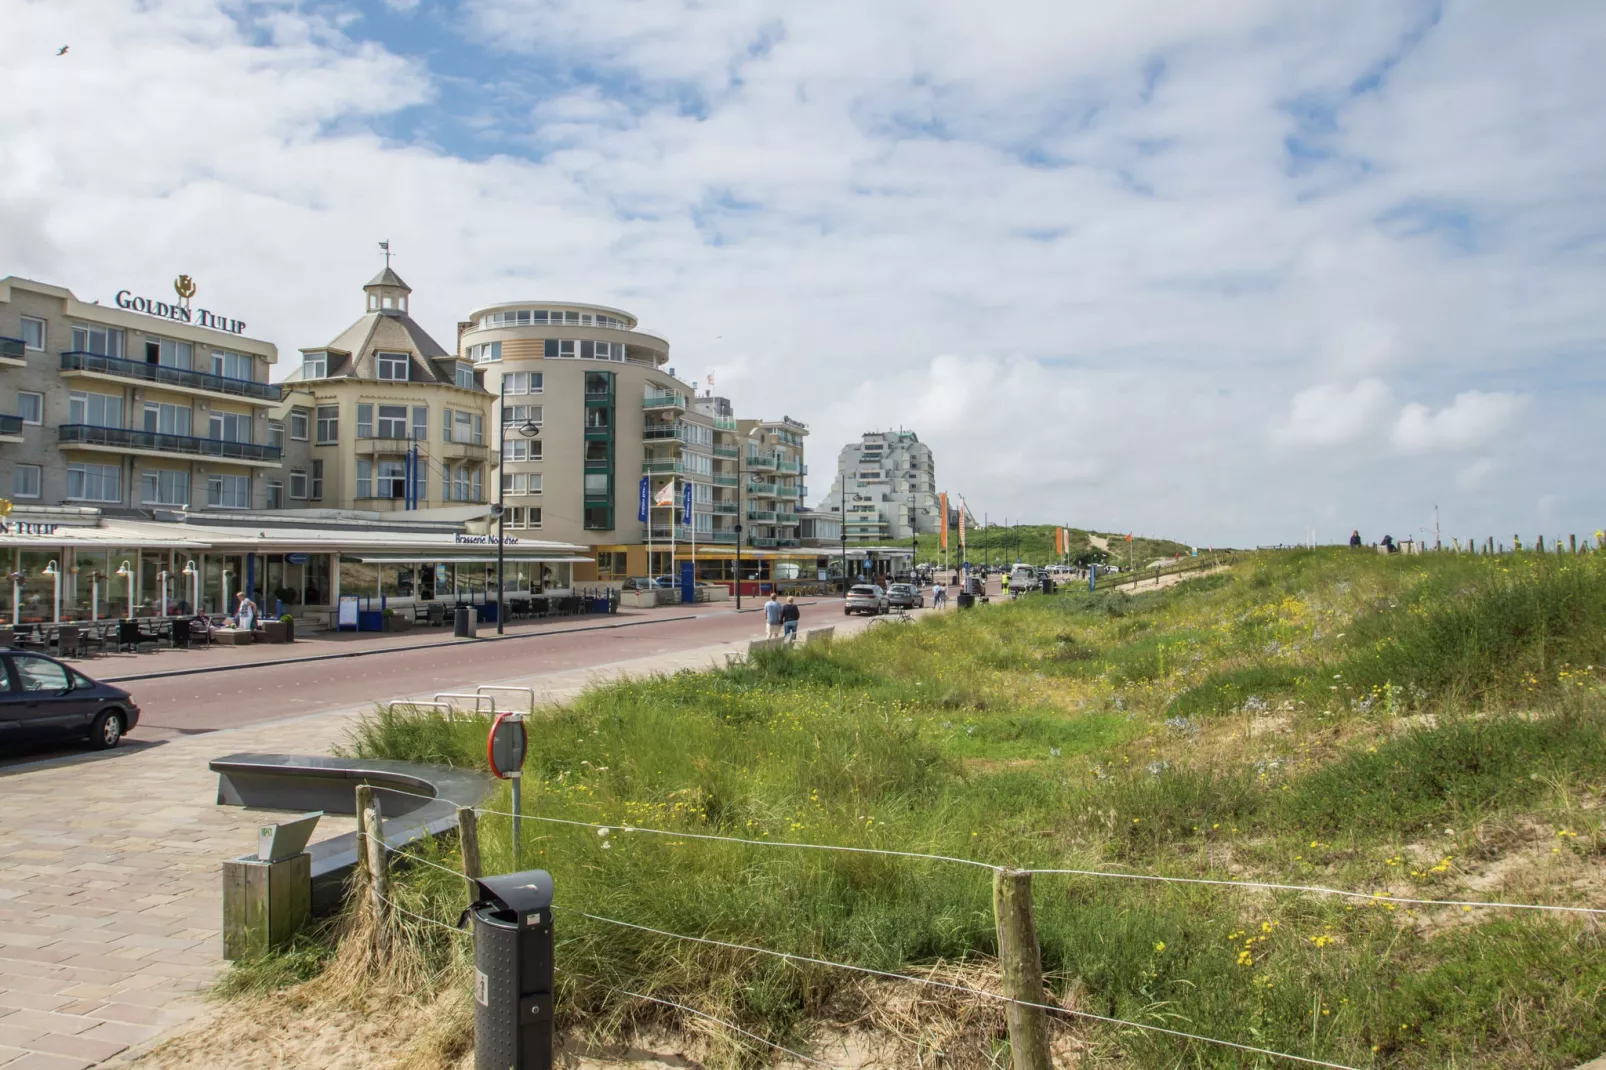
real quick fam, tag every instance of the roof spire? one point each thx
(385, 245)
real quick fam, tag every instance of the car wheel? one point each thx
(106, 731)
(847, 612)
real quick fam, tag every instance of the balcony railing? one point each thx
(761, 460)
(598, 464)
(729, 452)
(127, 438)
(12, 425)
(723, 507)
(664, 401)
(763, 490)
(13, 348)
(718, 536)
(789, 467)
(785, 543)
(654, 467)
(766, 544)
(725, 481)
(725, 423)
(760, 514)
(78, 361)
(658, 432)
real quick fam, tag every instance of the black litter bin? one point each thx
(966, 600)
(1048, 585)
(513, 971)
(464, 623)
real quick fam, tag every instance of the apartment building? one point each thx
(885, 489)
(383, 418)
(138, 404)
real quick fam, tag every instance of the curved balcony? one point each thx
(94, 365)
(664, 401)
(763, 490)
(155, 443)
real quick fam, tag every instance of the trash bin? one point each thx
(966, 599)
(513, 971)
(465, 623)
(1048, 585)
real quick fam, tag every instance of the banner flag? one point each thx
(944, 499)
(961, 529)
(686, 511)
(666, 496)
(641, 511)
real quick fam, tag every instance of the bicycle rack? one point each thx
(483, 688)
(476, 696)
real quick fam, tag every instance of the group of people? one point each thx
(780, 619)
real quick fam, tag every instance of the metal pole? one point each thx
(518, 818)
(501, 531)
(741, 447)
(844, 562)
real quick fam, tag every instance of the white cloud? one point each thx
(1066, 242)
(1333, 416)
(1470, 420)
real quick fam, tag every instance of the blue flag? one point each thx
(641, 512)
(687, 510)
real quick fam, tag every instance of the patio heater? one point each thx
(128, 574)
(163, 584)
(224, 609)
(94, 594)
(194, 575)
(54, 573)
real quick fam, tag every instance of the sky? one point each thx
(1228, 271)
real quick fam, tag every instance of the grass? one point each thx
(1430, 726)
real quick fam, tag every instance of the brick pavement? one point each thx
(110, 897)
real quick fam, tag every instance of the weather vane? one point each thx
(385, 245)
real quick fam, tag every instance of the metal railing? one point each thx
(725, 481)
(127, 438)
(723, 507)
(762, 460)
(729, 452)
(77, 360)
(766, 544)
(718, 536)
(15, 348)
(12, 425)
(660, 431)
(654, 466)
(766, 490)
(664, 401)
(725, 423)
(760, 514)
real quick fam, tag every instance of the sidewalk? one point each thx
(110, 898)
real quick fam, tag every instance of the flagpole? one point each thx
(672, 512)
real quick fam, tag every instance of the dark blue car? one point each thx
(42, 699)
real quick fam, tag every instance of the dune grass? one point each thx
(1429, 726)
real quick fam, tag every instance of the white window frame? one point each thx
(315, 481)
(315, 366)
(298, 484)
(276, 433)
(214, 491)
(384, 424)
(300, 416)
(26, 342)
(39, 406)
(83, 399)
(275, 494)
(150, 486)
(17, 490)
(331, 418)
(465, 370)
(392, 361)
(102, 471)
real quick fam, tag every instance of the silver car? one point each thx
(865, 598)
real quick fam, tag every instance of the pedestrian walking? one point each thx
(939, 597)
(772, 618)
(789, 618)
(245, 612)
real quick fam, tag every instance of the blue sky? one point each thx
(1226, 272)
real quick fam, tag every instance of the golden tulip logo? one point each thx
(185, 287)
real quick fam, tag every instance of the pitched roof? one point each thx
(392, 333)
(388, 277)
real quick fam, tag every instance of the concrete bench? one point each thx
(301, 783)
(822, 636)
(754, 646)
(233, 636)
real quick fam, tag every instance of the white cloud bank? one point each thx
(1096, 253)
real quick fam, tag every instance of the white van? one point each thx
(1022, 577)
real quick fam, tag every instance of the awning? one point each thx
(512, 557)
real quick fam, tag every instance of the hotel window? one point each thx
(477, 492)
(275, 494)
(596, 419)
(521, 482)
(365, 479)
(465, 375)
(514, 516)
(27, 481)
(315, 366)
(523, 382)
(485, 352)
(558, 347)
(168, 353)
(598, 518)
(328, 424)
(105, 341)
(233, 365)
(391, 480)
(298, 485)
(230, 426)
(315, 483)
(393, 366)
(167, 419)
(392, 421)
(365, 421)
(479, 429)
(421, 423)
(463, 427)
(596, 484)
(521, 449)
(460, 483)
(446, 426)
(229, 492)
(164, 487)
(31, 407)
(276, 433)
(521, 414)
(532, 516)
(299, 422)
(33, 333)
(100, 410)
(421, 481)
(95, 482)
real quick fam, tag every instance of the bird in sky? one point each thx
(62, 51)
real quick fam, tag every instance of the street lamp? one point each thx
(16, 597)
(914, 553)
(54, 573)
(529, 429)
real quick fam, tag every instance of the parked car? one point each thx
(41, 699)
(644, 583)
(905, 595)
(865, 598)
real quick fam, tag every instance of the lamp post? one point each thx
(16, 598)
(54, 573)
(844, 476)
(128, 574)
(914, 553)
(94, 594)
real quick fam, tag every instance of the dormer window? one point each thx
(315, 366)
(392, 366)
(465, 375)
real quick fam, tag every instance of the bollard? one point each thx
(1572, 544)
(513, 971)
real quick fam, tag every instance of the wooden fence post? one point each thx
(1572, 544)
(371, 829)
(468, 841)
(1022, 961)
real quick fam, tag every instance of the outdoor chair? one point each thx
(69, 642)
(199, 633)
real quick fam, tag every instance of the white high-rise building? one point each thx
(890, 483)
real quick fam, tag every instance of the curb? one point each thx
(204, 669)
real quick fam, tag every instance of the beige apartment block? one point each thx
(140, 403)
(383, 418)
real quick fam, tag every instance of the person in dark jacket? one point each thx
(1355, 539)
(789, 618)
